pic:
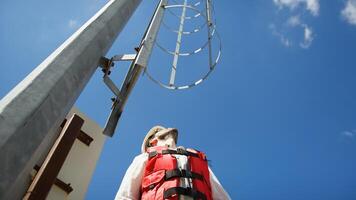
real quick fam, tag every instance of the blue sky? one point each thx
(277, 118)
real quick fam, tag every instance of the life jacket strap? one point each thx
(183, 173)
(171, 151)
(184, 191)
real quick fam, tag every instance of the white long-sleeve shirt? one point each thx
(131, 183)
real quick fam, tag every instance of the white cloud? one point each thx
(349, 134)
(287, 3)
(312, 6)
(73, 23)
(349, 12)
(294, 21)
(308, 37)
(283, 39)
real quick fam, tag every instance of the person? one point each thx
(165, 171)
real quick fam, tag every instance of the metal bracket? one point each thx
(111, 85)
(106, 65)
(124, 57)
(139, 62)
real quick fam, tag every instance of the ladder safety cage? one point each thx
(209, 23)
(139, 60)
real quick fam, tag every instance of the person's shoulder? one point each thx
(201, 154)
(141, 157)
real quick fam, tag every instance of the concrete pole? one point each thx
(32, 111)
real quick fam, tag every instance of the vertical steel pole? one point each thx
(178, 44)
(209, 27)
(32, 111)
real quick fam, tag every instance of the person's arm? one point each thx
(131, 183)
(218, 191)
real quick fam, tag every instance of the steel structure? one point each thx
(210, 25)
(53, 87)
(31, 113)
(139, 61)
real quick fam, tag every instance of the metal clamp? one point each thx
(106, 65)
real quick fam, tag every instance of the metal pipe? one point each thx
(32, 111)
(178, 44)
(209, 27)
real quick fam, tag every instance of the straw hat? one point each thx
(157, 131)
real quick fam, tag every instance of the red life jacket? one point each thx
(161, 178)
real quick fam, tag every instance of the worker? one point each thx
(165, 171)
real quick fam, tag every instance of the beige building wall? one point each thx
(80, 162)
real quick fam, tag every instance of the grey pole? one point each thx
(30, 113)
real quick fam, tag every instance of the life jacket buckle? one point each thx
(151, 186)
(152, 154)
(181, 151)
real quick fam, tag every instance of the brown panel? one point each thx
(50, 168)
